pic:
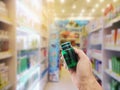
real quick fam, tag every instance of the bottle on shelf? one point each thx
(114, 85)
(4, 80)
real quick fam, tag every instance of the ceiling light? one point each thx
(115, 0)
(93, 10)
(101, 0)
(63, 10)
(81, 14)
(62, 1)
(96, 5)
(74, 6)
(108, 5)
(83, 10)
(56, 18)
(88, 1)
(102, 10)
(50, 0)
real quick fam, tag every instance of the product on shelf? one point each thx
(27, 42)
(26, 60)
(113, 14)
(96, 38)
(114, 85)
(116, 64)
(112, 39)
(4, 81)
(4, 41)
(118, 38)
(95, 25)
(23, 64)
(70, 36)
(97, 65)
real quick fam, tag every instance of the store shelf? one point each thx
(27, 72)
(113, 48)
(5, 20)
(7, 87)
(26, 30)
(34, 84)
(112, 21)
(113, 75)
(97, 74)
(96, 43)
(97, 57)
(96, 29)
(43, 73)
(4, 37)
(43, 61)
(28, 11)
(4, 55)
(29, 49)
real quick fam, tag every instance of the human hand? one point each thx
(83, 71)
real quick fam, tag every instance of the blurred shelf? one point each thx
(43, 73)
(26, 73)
(113, 75)
(4, 37)
(112, 21)
(7, 87)
(26, 30)
(28, 49)
(43, 47)
(68, 38)
(113, 48)
(34, 84)
(28, 11)
(37, 86)
(96, 43)
(5, 20)
(97, 57)
(4, 55)
(96, 29)
(97, 74)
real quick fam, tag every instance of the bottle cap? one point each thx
(66, 45)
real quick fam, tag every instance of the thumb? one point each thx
(80, 53)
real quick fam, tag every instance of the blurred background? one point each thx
(31, 32)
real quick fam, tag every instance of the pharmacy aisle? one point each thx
(64, 83)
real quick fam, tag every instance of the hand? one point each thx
(83, 71)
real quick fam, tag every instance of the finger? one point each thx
(80, 53)
(72, 72)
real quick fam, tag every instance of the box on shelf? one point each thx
(116, 64)
(112, 39)
(4, 41)
(97, 65)
(118, 38)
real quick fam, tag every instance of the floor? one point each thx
(65, 82)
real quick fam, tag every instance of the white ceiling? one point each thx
(77, 9)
